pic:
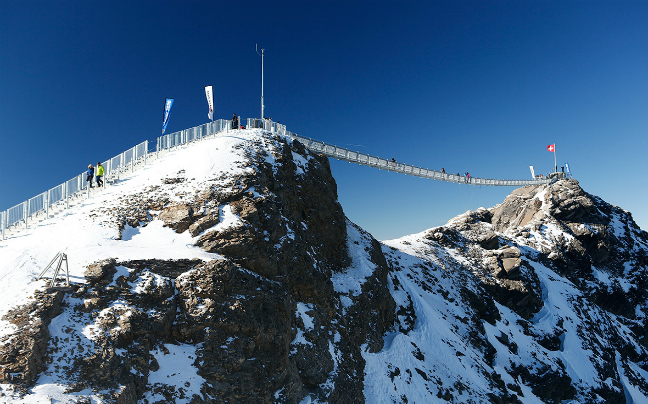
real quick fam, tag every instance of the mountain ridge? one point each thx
(236, 259)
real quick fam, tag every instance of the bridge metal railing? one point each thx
(341, 153)
(42, 206)
(185, 136)
(372, 161)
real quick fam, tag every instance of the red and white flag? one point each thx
(551, 148)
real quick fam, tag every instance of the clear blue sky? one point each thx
(477, 86)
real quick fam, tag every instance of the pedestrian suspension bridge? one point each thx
(77, 189)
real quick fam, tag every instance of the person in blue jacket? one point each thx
(90, 175)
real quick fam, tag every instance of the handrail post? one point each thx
(119, 167)
(47, 198)
(108, 172)
(26, 211)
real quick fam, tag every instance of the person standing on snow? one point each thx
(100, 173)
(89, 175)
(235, 122)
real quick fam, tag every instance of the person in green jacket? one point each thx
(100, 174)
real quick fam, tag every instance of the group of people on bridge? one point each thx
(443, 171)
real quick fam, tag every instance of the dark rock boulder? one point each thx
(203, 224)
(100, 271)
(512, 267)
(178, 217)
(23, 353)
(489, 241)
(517, 210)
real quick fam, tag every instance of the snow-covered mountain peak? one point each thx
(226, 271)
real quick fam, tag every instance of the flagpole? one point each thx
(555, 164)
(262, 105)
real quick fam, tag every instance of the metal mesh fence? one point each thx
(72, 188)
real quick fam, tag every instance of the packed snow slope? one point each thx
(226, 271)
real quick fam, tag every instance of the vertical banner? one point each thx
(167, 110)
(532, 172)
(567, 168)
(210, 101)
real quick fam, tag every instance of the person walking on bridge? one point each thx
(100, 173)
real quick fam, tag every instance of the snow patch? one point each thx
(349, 283)
(176, 370)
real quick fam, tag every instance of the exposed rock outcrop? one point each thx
(24, 353)
(510, 248)
(265, 320)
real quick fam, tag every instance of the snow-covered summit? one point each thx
(226, 271)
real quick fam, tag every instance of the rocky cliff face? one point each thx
(547, 289)
(539, 299)
(263, 322)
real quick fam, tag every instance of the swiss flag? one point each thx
(551, 147)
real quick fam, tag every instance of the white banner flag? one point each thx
(210, 101)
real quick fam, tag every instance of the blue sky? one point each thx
(477, 86)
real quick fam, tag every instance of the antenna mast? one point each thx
(262, 106)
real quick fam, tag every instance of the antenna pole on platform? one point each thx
(262, 105)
